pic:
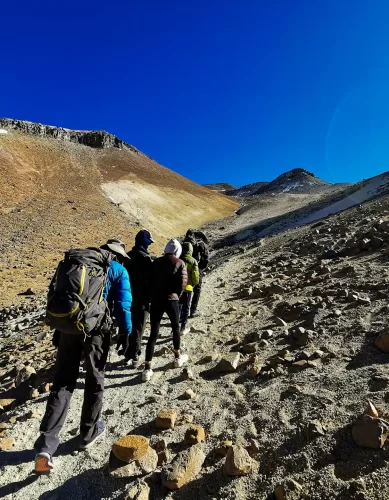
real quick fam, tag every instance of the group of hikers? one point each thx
(100, 290)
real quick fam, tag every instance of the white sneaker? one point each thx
(185, 330)
(179, 362)
(147, 374)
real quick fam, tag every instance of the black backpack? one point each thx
(75, 301)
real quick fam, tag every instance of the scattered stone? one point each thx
(256, 367)
(263, 343)
(194, 434)
(280, 322)
(34, 393)
(24, 374)
(184, 468)
(189, 394)
(267, 334)
(382, 342)
(238, 462)
(34, 414)
(166, 419)
(140, 491)
(289, 490)
(7, 404)
(294, 389)
(314, 429)
(187, 374)
(6, 444)
(300, 335)
(130, 448)
(229, 362)
(371, 410)
(370, 432)
(223, 448)
(249, 348)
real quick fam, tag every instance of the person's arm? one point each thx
(122, 298)
(195, 273)
(182, 280)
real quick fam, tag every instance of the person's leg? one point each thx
(139, 319)
(196, 296)
(156, 312)
(96, 350)
(65, 377)
(186, 305)
(173, 311)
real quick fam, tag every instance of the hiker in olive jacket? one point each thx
(201, 253)
(192, 269)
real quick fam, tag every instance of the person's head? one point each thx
(117, 249)
(187, 248)
(173, 247)
(144, 238)
(190, 233)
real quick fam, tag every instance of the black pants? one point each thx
(139, 313)
(157, 310)
(196, 295)
(185, 306)
(95, 349)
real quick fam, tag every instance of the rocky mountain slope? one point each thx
(56, 193)
(285, 395)
(221, 187)
(296, 181)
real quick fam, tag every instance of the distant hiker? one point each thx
(139, 269)
(169, 279)
(193, 280)
(201, 253)
(88, 286)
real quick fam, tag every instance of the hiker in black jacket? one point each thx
(139, 269)
(201, 253)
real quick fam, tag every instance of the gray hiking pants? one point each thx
(66, 370)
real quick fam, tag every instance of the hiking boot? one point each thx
(185, 330)
(195, 314)
(147, 374)
(180, 361)
(100, 434)
(43, 463)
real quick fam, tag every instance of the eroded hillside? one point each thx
(55, 194)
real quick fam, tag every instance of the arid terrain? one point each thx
(287, 368)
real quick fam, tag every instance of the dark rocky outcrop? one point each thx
(93, 138)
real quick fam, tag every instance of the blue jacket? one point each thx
(118, 295)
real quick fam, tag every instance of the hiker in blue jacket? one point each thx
(95, 347)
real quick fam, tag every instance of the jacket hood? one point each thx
(173, 247)
(187, 248)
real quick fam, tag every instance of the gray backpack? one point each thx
(75, 301)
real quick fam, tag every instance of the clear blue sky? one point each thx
(235, 90)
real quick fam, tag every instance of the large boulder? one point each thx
(146, 464)
(184, 468)
(130, 448)
(238, 462)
